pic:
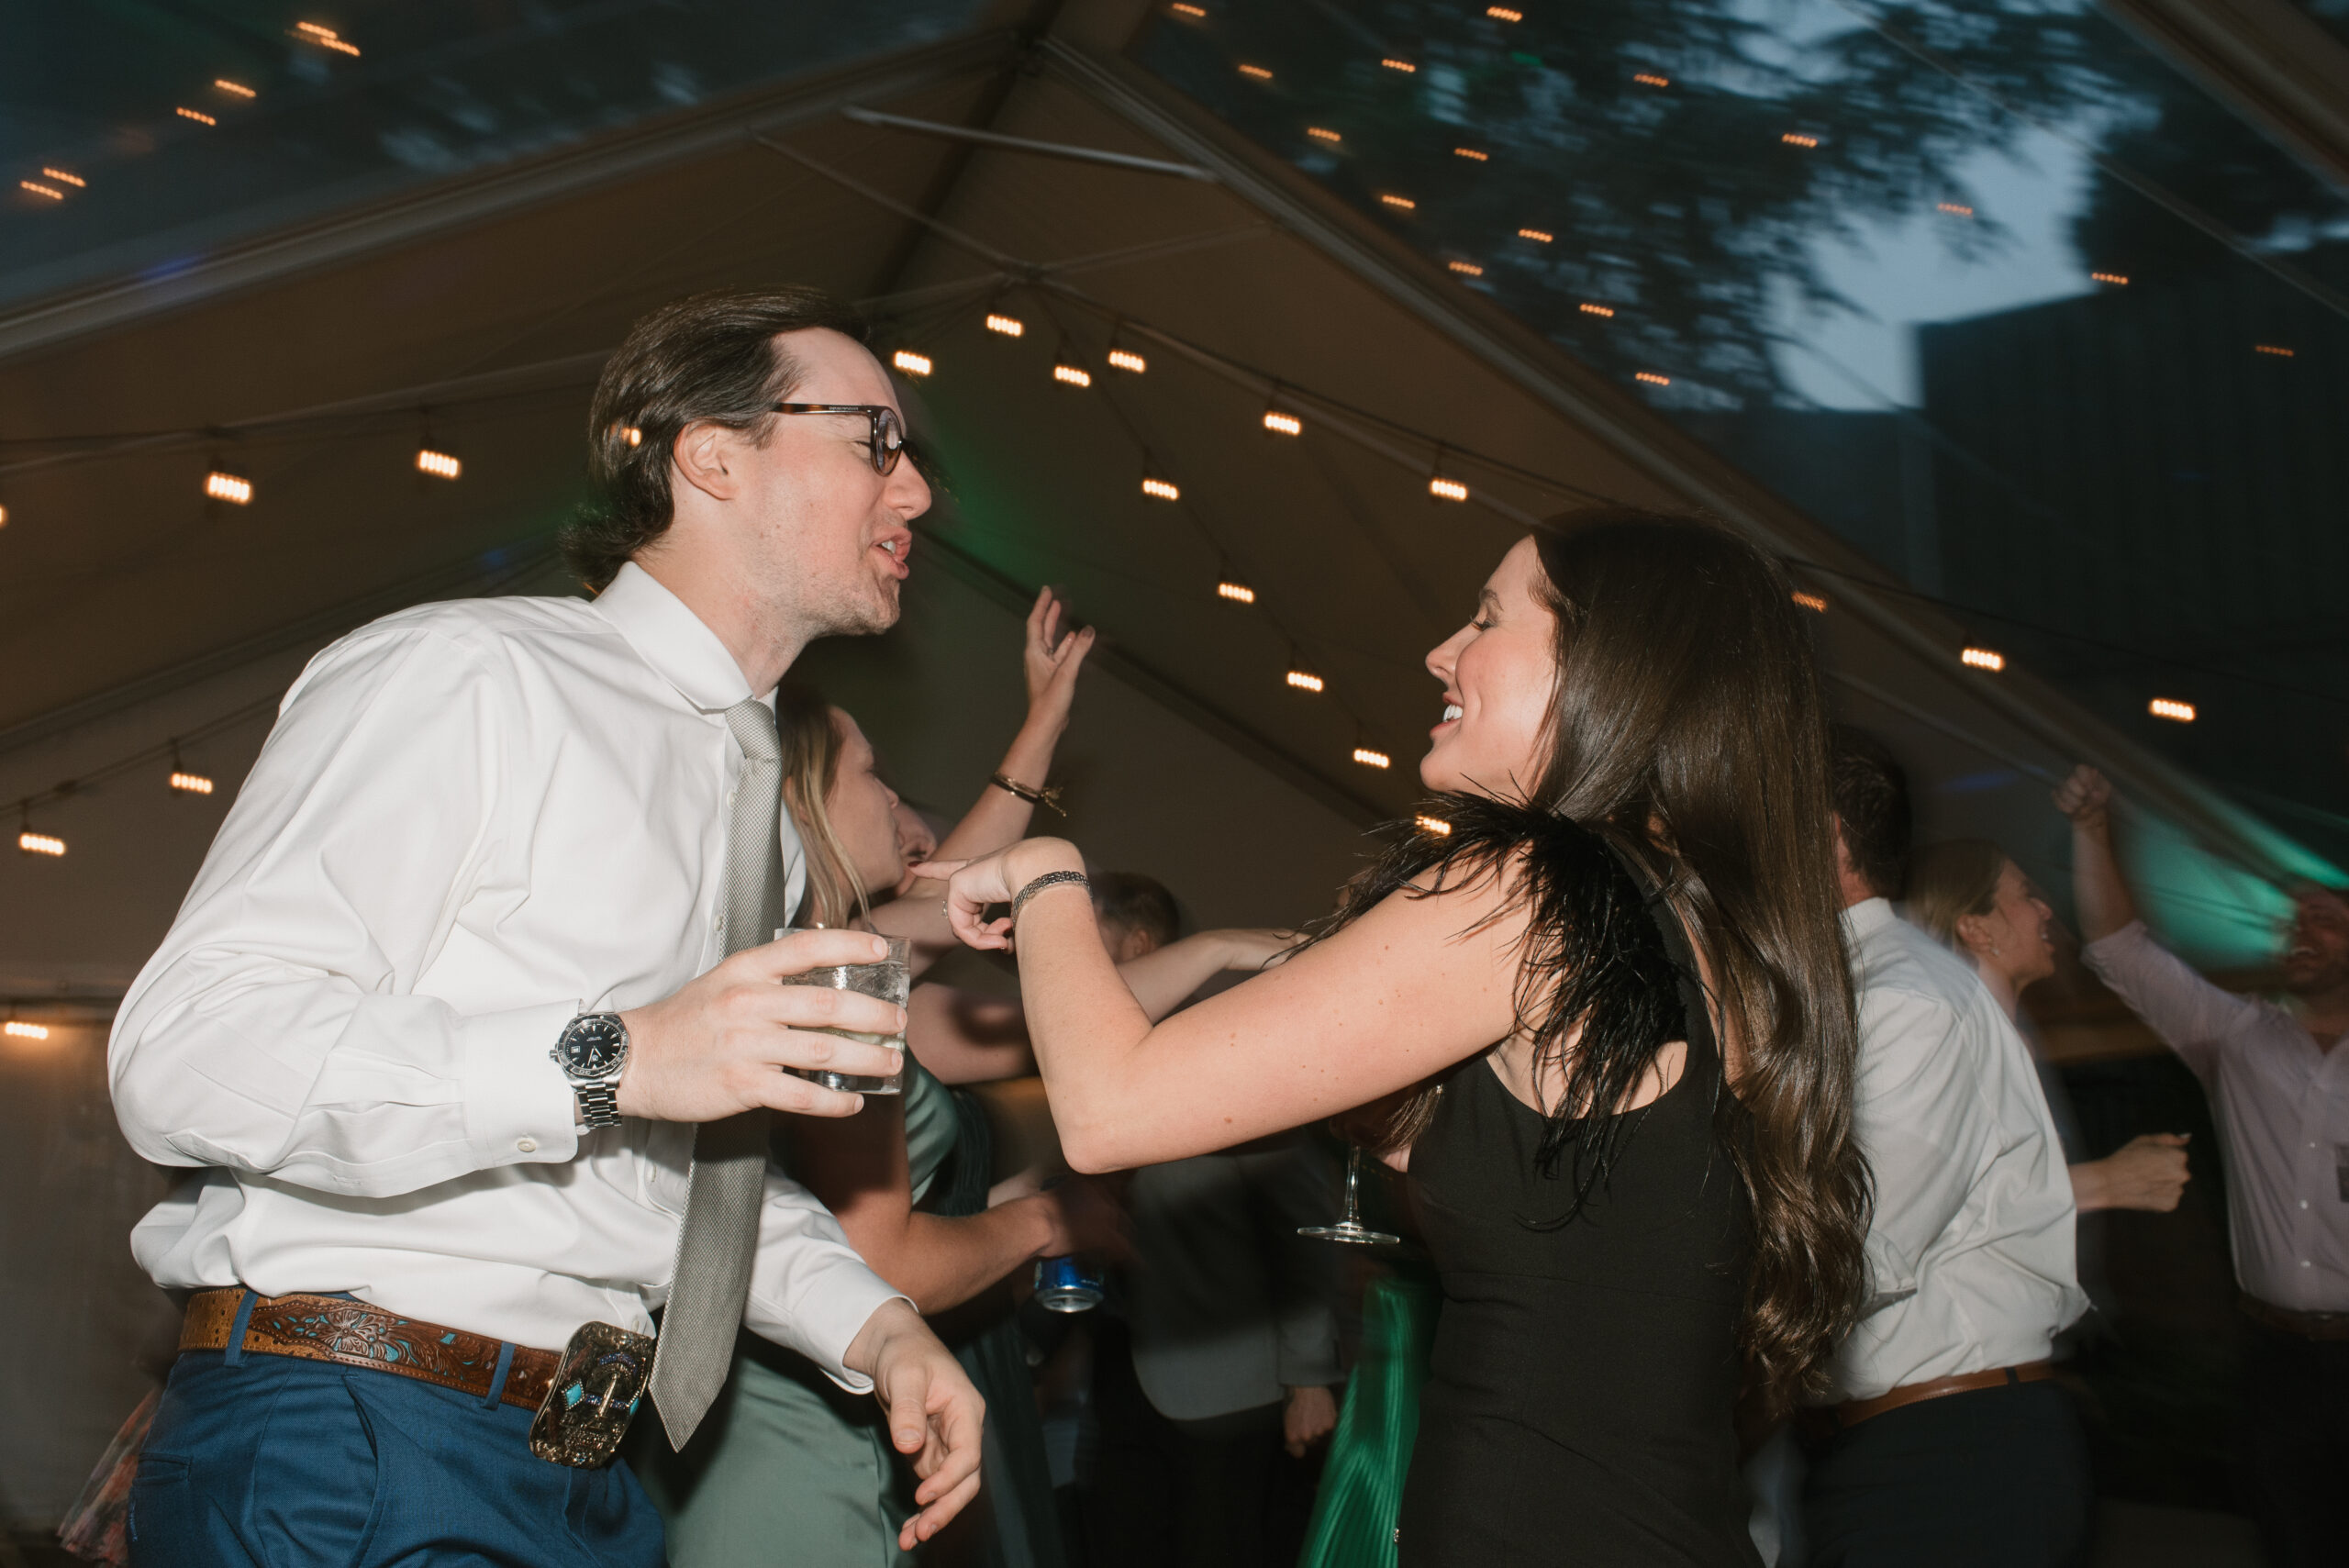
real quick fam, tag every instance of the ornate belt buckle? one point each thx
(596, 1386)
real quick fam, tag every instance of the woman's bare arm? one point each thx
(859, 1170)
(965, 1037)
(1051, 663)
(1409, 989)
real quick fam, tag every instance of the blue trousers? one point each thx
(270, 1461)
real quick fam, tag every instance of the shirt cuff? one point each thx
(809, 1290)
(518, 1105)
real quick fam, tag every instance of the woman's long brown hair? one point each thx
(1687, 727)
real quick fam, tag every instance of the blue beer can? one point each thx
(1068, 1285)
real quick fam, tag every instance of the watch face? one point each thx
(592, 1047)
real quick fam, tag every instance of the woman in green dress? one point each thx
(786, 1469)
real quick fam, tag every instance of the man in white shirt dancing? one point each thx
(1947, 1444)
(471, 1025)
(2278, 1082)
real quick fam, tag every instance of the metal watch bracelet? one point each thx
(599, 1104)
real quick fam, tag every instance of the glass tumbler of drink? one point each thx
(891, 980)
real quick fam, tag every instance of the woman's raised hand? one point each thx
(1050, 661)
(972, 886)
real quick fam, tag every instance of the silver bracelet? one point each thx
(1050, 879)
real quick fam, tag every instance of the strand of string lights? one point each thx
(1302, 674)
(178, 778)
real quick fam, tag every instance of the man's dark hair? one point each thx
(1137, 903)
(1872, 802)
(710, 358)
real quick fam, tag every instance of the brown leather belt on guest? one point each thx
(1844, 1416)
(337, 1328)
(2304, 1325)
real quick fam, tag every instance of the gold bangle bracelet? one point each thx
(1049, 795)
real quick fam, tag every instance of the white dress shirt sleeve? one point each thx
(1922, 1119)
(277, 1031)
(1293, 1179)
(2191, 1015)
(809, 1290)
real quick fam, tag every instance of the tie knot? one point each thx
(752, 722)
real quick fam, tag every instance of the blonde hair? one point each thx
(812, 744)
(1949, 881)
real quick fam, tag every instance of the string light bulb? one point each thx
(1503, 14)
(1371, 757)
(1282, 424)
(1796, 138)
(198, 116)
(1538, 236)
(2275, 348)
(1983, 659)
(1404, 203)
(16, 1028)
(1434, 826)
(1404, 66)
(1182, 10)
(66, 177)
(1468, 268)
(1306, 681)
(1128, 361)
(1444, 489)
(221, 485)
(1256, 73)
(1323, 133)
(37, 188)
(1160, 490)
(33, 843)
(909, 362)
(1813, 602)
(1229, 587)
(183, 782)
(2118, 280)
(326, 38)
(1651, 378)
(3, 516)
(438, 464)
(1009, 326)
(1474, 155)
(632, 435)
(1956, 209)
(2170, 709)
(1650, 79)
(1587, 308)
(1072, 376)
(234, 89)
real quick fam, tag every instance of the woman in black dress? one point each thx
(1604, 1022)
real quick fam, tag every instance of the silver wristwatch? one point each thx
(592, 1051)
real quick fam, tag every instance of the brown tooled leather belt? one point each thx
(1844, 1416)
(336, 1328)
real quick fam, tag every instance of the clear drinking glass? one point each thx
(891, 980)
(1350, 1227)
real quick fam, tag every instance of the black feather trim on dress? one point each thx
(1594, 955)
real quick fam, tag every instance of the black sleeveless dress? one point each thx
(1579, 1406)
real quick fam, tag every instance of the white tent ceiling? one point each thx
(134, 611)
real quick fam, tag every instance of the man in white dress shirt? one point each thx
(435, 1026)
(2278, 1082)
(1947, 1443)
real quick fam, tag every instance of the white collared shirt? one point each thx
(1970, 1251)
(472, 822)
(2282, 1107)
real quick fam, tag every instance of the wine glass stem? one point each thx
(1353, 1177)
